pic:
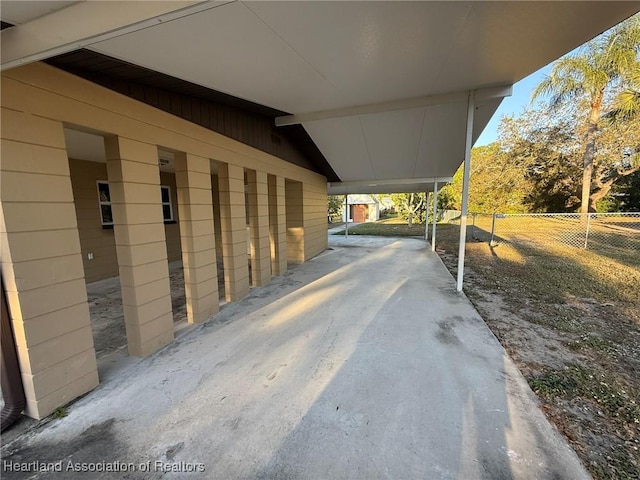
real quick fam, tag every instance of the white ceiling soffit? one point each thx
(399, 144)
(18, 12)
(311, 56)
(84, 146)
(47, 28)
(336, 65)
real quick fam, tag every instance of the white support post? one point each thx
(435, 210)
(426, 216)
(346, 215)
(465, 189)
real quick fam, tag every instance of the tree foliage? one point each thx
(543, 147)
(497, 183)
(627, 102)
(626, 196)
(411, 206)
(335, 205)
(599, 78)
(536, 165)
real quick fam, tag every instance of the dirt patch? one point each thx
(107, 315)
(570, 320)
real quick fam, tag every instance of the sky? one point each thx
(513, 105)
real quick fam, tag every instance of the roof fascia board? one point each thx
(426, 101)
(85, 23)
(386, 186)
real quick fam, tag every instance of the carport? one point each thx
(385, 96)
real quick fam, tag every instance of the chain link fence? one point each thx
(593, 231)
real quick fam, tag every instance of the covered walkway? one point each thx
(237, 113)
(362, 363)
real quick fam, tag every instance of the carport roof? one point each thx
(380, 87)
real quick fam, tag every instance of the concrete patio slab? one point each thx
(363, 363)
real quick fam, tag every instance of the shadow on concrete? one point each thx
(362, 363)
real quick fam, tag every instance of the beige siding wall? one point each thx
(306, 207)
(315, 219)
(51, 93)
(193, 177)
(277, 225)
(132, 168)
(234, 232)
(43, 253)
(41, 264)
(260, 248)
(98, 240)
(295, 223)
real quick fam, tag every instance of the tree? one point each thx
(335, 204)
(604, 64)
(497, 183)
(546, 150)
(548, 145)
(450, 196)
(618, 155)
(627, 194)
(410, 206)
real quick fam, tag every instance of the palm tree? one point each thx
(627, 102)
(601, 66)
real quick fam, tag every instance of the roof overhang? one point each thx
(380, 87)
(45, 29)
(414, 185)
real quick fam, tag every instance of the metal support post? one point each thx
(435, 214)
(426, 216)
(465, 189)
(346, 215)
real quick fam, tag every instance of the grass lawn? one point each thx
(389, 227)
(570, 319)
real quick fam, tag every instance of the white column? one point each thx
(435, 209)
(465, 189)
(346, 215)
(426, 216)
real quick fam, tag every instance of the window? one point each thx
(104, 199)
(106, 213)
(167, 210)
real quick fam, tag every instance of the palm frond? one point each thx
(626, 106)
(565, 82)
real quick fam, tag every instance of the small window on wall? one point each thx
(104, 199)
(167, 210)
(106, 213)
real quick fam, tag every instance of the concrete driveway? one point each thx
(363, 363)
